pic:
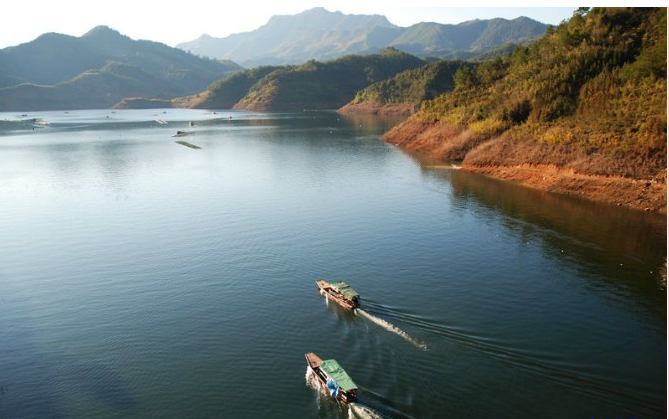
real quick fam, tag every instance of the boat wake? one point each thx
(357, 411)
(312, 382)
(391, 328)
(576, 377)
(23, 124)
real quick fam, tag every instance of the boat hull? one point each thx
(327, 291)
(314, 361)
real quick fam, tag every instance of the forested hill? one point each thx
(226, 92)
(588, 98)
(329, 85)
(58, 71)
(312, 85)
(405, 91)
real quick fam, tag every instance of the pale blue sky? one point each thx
(175, 22)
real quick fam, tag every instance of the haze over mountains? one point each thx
(104, 67)
(323, 35)
(97, 70)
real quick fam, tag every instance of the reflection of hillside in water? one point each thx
(624, 248)
(371, 124)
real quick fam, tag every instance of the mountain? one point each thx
(329, 85)
(323, 35)
(58, 71)
(312, 34)
(467, 39)
(582, 111)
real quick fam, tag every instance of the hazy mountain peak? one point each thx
(320, 34)
(323, 19)
(49, 36)
(103, 31)
(316, 11)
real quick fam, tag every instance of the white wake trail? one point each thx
(361, 412)
(312, 382)
(391, 328)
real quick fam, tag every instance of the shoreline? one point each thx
(499, 159)
(646, 195)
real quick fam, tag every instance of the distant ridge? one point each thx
(323, 35)
(98, 69)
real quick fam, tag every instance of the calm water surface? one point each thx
(140, 278)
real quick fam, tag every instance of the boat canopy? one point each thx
(332, 368)
(345, 290)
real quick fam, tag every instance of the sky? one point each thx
(173, 22)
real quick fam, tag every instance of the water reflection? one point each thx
(370, 124)
(203, 276)
(615, 245)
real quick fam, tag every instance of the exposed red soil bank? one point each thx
(559, 169)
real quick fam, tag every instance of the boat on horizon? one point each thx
(331, 375)
(339, 292)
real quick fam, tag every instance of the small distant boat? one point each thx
(339, 292)
(180, 134)
(333, 377)
(40, 123)
(161, 122)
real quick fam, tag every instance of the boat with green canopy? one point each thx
(340, 292)
(333, 377)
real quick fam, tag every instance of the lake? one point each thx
(141, 278)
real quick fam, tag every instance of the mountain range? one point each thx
(323, 35)
(103, 67)
(97, 70)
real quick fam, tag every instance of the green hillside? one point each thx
(590, 96)
(414, 86)
(329, 85)
(226, 92)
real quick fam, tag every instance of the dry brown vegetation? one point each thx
(435, 139)
(197, 101)
(510, 151)
(558, 168)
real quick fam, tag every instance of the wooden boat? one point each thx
(331, 375)
(339, 292)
